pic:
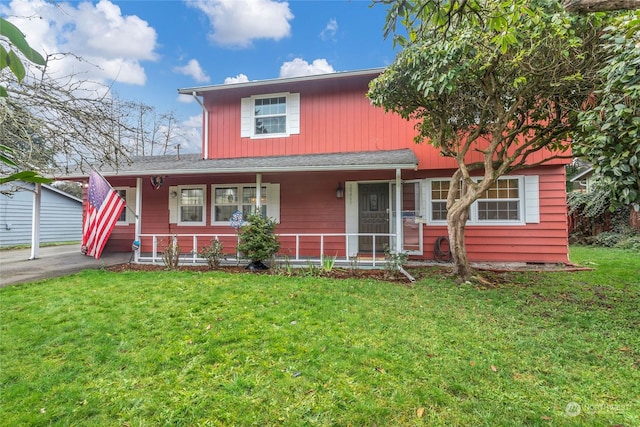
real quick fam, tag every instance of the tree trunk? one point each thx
(587, 6)
(463, 192)
(456, 224)
(634, 218)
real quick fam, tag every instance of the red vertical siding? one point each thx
(335, 116)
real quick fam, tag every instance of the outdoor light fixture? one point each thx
(339, 191)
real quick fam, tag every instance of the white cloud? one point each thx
(240, 78)
(329, 32)
(194, 70)
(193, 122)
(300, 67)
(185, 99)
(236, 23)
(102, 28)
(105, 45)
(191, 135)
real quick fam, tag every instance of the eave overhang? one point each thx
(200, 90)
(193, 164)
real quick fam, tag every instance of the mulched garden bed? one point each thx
(335, 273)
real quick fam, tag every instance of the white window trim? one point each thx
(203, 187)
(427, 208)
(272, 196)
(528, 206)
(292, 114)
(130, 201)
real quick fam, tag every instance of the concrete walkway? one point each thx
(53, 261)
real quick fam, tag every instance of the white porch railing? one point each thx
(191, 255)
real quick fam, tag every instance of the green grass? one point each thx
(198, 349)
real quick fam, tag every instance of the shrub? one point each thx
(393, 261)
(630, 243)
(213, 253)
(592, 204)
(171, 254)
(257, 239)
(607, 239)
(595, 220)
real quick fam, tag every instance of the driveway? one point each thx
(53, 261)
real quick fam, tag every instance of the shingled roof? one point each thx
(188, 164)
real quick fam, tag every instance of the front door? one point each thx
(373, 216)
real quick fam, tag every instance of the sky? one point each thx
(145, 50)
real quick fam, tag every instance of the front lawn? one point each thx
(192, 349)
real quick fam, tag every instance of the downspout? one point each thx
(35, 221)
(205, 126)
(138, 223)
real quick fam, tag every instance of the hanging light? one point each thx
(339, 191)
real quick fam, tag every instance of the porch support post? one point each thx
(35, 221)
(138, 224)
(398, 211)
(258, 193)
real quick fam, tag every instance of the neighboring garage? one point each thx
(60, 215)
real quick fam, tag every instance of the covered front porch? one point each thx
(349, 207)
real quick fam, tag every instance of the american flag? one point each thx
(103, 210)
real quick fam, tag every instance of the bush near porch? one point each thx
(193, 348)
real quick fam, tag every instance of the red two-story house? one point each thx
(340, 176)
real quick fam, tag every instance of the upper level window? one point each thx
(270, 116)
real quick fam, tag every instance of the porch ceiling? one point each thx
(194, 164)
